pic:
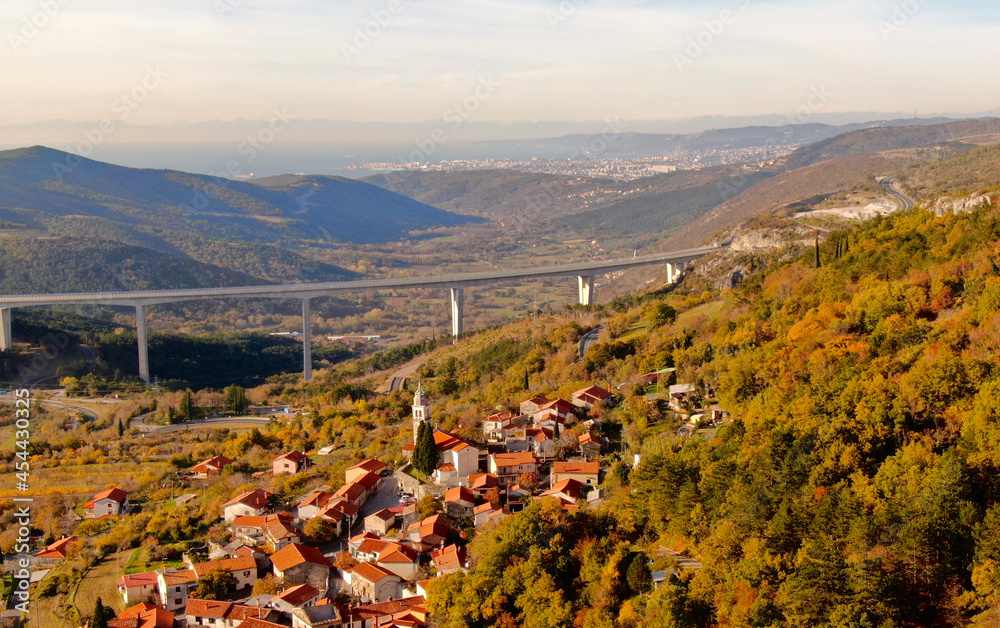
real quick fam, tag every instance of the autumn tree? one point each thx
(269, 585)
(320, 530)
(217, 584)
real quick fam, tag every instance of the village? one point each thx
(363, 555)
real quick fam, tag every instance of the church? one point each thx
(457, 457)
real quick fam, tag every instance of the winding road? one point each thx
(589, 338)
(87, 412)
(140, 422)
(906, 203)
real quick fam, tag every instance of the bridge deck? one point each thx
(309, 290)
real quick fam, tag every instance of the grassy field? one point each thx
(102, 582)
(77, 479)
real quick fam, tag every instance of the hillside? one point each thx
(809, 185)
(856, 483)
(589, 206)
(890, 138)
(663, 210)
(851, 481)
(39, 183)
(975, 171)
(72, 264)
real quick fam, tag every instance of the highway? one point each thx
(906, 203)
(140, 422)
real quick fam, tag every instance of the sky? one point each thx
(158, 62)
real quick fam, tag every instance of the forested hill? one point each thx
(857, 484)
(38, 184)
(891, 138)
(67, 264)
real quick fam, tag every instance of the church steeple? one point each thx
(421, 409)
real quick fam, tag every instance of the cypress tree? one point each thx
(186, 409)
(425, 452)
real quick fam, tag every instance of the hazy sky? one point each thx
(506, 60)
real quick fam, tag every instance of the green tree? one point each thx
(236, 399)
(425, 455)
(101, 615)
(186, 408)
(638, 576)
(121, 428)
(217, 584)
(662, 314)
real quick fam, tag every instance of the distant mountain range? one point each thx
(68, 223)
(38, 183)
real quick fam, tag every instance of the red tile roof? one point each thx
(514, 459)
(260, 623)
(138, 579)
(593, 391)
(294, 456)
(484, 480)
(115, 494)
(372, 465)
(297, 596)
(59, 549)
(257, 499)
(459, 494)
(446, 441)
(558, 405)
(240, 563)
(318, 499)
(449, 559)
(214, 463)
(385, 515)
(372, 546)
(207, 608)
(576, 467)
(144, 615)
(295, 554)
(372, 572)
(396, 553)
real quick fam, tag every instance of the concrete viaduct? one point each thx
(585, 272)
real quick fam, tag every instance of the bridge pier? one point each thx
(140, 332)
(6, 342)
(457, 295)
(587, 293)
(307, 360)
(674, 272)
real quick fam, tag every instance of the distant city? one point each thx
(619, 168)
